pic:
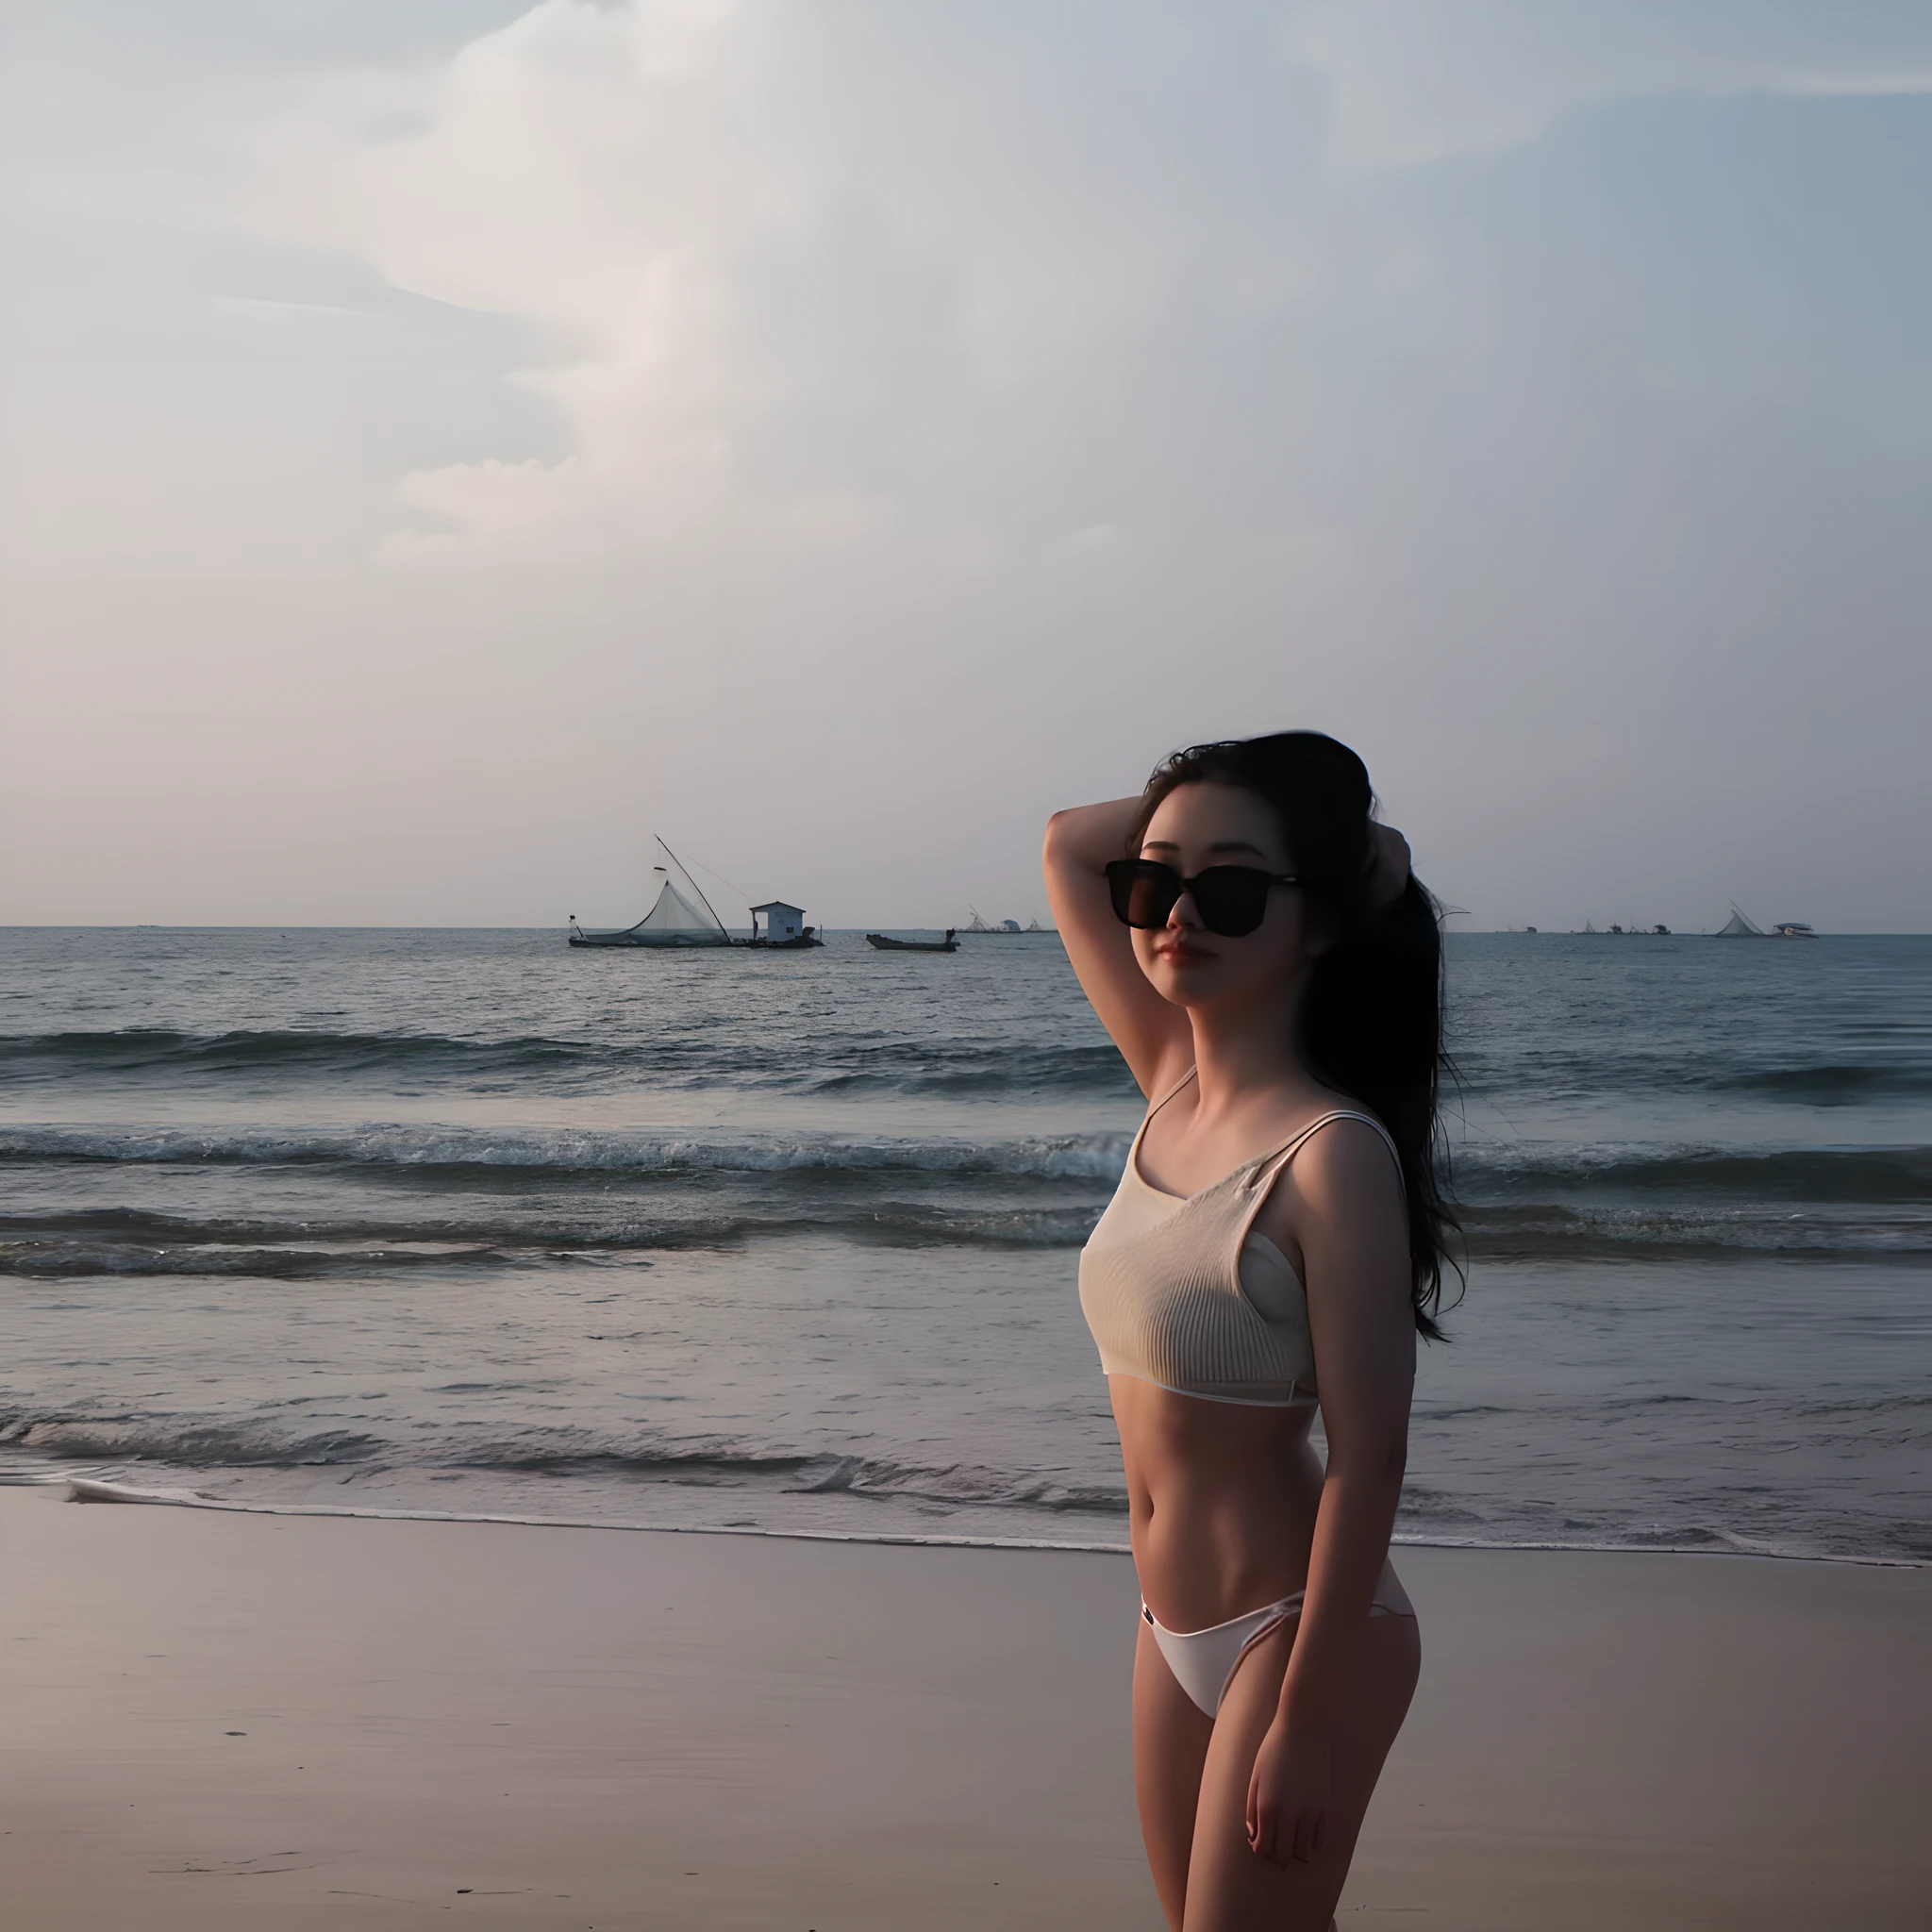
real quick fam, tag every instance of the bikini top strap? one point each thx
(1254, 1191)
(1269, 1168)
(1345, 1113)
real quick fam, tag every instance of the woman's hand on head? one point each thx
(1287, 1795)
(1388, 866)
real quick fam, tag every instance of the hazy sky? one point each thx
(445, 441)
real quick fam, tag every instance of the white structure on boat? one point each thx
(782, 923)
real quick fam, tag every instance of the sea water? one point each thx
(470, 1223)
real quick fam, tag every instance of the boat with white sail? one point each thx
(682, 919)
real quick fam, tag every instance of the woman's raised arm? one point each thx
(1155, 1039)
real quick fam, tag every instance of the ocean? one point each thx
(466, 1223)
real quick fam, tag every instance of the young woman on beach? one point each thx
(1270, 972)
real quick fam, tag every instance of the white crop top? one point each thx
(1183, 1293)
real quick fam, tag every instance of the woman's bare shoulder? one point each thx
(1344, 1174)
(1349, 1152)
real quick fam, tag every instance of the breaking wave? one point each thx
(205, 1446)
(1874, 1174)
(850, 1064)
(355, 1255)
(396, 1198)
(453, 1151)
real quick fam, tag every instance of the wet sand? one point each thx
(220, 1720)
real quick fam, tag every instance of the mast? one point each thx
(697, 888)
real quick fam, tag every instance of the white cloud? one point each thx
(770, 271)
(798, 277)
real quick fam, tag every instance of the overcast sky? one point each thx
(447, 441)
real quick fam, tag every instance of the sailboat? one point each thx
(1738, 928)
(681, 918)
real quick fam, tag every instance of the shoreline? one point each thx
(221, 1716)
(94, 1490)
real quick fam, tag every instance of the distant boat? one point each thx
(1738, 928)
(1793, 929)
(880, 943)
(1006, 929)
(682, 919)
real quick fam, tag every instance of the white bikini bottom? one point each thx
(1204, 1661)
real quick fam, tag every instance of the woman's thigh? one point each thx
(1171, 1735)
(1229, 1889)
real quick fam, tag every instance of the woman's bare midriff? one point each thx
(1222, 1499)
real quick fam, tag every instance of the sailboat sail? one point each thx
(674, 920)
(681, 916)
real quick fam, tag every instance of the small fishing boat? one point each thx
(880, 943)
(682, 917)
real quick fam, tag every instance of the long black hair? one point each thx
(1370, 1022)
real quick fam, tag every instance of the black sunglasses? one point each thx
(1231, 900)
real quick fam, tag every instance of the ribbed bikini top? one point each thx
(1183, 1293)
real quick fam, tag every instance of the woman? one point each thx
(1270, 972)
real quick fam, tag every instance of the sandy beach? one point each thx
(217, 1719)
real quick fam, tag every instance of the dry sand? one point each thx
(215, 1721)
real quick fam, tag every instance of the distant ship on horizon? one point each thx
(1006, 929)
(1741, 926)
